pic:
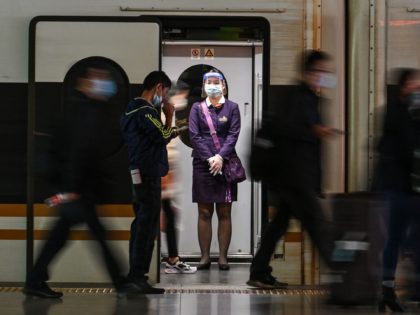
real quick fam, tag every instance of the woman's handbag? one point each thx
(233, 170)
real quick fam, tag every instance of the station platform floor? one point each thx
(210, 292)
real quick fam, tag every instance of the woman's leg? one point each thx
(205, 214)
(224, 231)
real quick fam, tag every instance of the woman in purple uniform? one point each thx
(209, 185)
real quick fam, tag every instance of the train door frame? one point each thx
(190, 24)
(44, 33)
(165, 22)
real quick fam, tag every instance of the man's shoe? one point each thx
(266, 282)
(42, 290)
(127, 289)
(145, 288)
(179, 267)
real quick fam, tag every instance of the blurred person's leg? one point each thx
(397, 227)
(170, 230)
(98, 231)
(205, 214)
(398, 221)
(70, 214)
(224, 231)
(260, 268)
(174, 264)
(306, 207)
(416, 259)
(415, 243)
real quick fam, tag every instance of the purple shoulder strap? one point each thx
(211, 126)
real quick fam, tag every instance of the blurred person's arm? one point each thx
(168, 110)
(322, 131)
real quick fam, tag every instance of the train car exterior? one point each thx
(367, 38)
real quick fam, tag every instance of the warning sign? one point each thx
(195, 53)
(208, 53)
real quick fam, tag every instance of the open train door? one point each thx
(129, 47)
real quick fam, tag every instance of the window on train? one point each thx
(212, 33)
(113, 107)
(193, 78)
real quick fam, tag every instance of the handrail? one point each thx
(226, 10)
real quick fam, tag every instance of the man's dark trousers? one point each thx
(144, 228)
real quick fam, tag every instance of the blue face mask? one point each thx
(327, 80)
(104, 88)
(157, 100)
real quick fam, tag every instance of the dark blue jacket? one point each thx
(146, 138)
(297, 148)
(401, 134)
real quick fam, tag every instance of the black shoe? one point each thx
(143, 287)
(41, 290)
(127, 289)
(390, 300)
(224, 267)
(266, 282)
(205, 266)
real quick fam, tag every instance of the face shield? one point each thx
(213, 84)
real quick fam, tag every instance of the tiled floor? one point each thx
(210, 292)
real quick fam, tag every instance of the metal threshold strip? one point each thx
(191, 290)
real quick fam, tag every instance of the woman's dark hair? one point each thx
(311, 57)
(154, 78)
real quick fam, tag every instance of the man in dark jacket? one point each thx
(295, 131)
(146, 137)
(77, 147)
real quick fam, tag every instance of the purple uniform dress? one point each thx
(227, 123)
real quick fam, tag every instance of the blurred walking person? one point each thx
(400, 139)
(294, 131)
(77, 143)
(170, 190)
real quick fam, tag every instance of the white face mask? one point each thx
(327, 80)
(213, 90)
(180, 103)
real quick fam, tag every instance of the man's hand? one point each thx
(168, 110)
(322, 131)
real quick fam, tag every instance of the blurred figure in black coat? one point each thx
(401, 136)
(295, 131)
(77, 146)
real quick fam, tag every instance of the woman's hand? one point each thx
(216, 164)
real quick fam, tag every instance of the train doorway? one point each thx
(241, 65)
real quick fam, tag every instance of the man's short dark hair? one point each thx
(154, 78)
(311, 57)
(403, 75)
